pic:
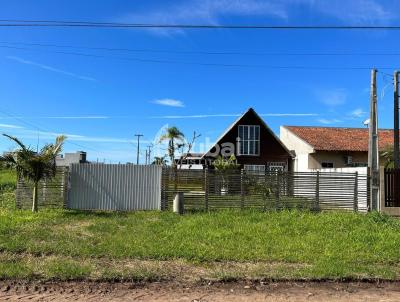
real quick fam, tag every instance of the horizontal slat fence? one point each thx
(51, 193)
(213, 189)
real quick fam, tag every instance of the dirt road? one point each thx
(292, 291)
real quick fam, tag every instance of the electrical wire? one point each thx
(61, 23)
(42, 129)
(218, 53)
(228, 65)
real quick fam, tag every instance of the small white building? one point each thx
(65, 160)
(334, 148)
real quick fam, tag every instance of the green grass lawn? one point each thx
(8, 179)
(217, 245)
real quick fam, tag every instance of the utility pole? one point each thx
(138, 147)
(149, 153)
(146, 156)
(396, 154)
(373, 156)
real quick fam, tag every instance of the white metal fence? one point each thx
(114, 187)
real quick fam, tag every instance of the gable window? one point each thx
(327, 165)
(249, 140)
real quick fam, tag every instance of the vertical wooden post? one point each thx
(164, 187)
(317, 192)
(355, 206)
(277, 191)
(242, 189)
(206, 188)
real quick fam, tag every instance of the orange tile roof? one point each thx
(340, 139)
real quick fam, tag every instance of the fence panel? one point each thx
(392, 187)
(114, 187)
(213, 189)
(51, 193)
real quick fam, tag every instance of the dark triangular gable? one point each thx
(250, 117)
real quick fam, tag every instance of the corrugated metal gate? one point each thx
(114, 187)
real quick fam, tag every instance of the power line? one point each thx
(228, 65)
(144, 50)
(61, 23)
(42, 129)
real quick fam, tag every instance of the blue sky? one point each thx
(101, 98)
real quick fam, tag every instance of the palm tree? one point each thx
(159, 161)
(387, 154)
(175, 139)
(33, 166)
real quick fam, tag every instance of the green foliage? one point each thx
(159, 161)
(226, 164)
(175, 140)
(324, 245)
(8, 180)
(33, 166)
(387, 155)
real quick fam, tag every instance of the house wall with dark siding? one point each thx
(271, 149)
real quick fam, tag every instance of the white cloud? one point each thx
(329, 121)
(212, 11)
(355, 11)
(50, 68)
(10, 126)
(205, 12)
(332, 97)
(169, 102)
(358, 113)
(87, 117)
(230, 115)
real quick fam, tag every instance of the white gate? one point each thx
(114, 187)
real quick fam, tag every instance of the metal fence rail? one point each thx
(114, 187)
(392, 187)
(213, 189)
(51, 193)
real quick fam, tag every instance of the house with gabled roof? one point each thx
(318, 148)
(253, 143)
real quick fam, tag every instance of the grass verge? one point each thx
(223, 245)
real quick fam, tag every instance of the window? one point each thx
(249, 140)
(254, 168)
(276, 166)
(327, 165)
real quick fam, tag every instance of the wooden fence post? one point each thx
(355, 206)
(241, 189)
(164, 188)
(206, 188)
(317, 192)
(277, 191)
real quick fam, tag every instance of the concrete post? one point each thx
(178, 206)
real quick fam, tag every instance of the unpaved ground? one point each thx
(292, 291)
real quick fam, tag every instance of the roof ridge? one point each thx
(333, 127)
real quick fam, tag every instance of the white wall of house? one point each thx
(301, 148)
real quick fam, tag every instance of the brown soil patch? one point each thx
(167, 291)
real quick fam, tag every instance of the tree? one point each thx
(387, 155)
(224, 164)
(33, 166)
(159, 161)
(175, 140)
(225, 167)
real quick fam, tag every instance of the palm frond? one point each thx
(16, 140)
